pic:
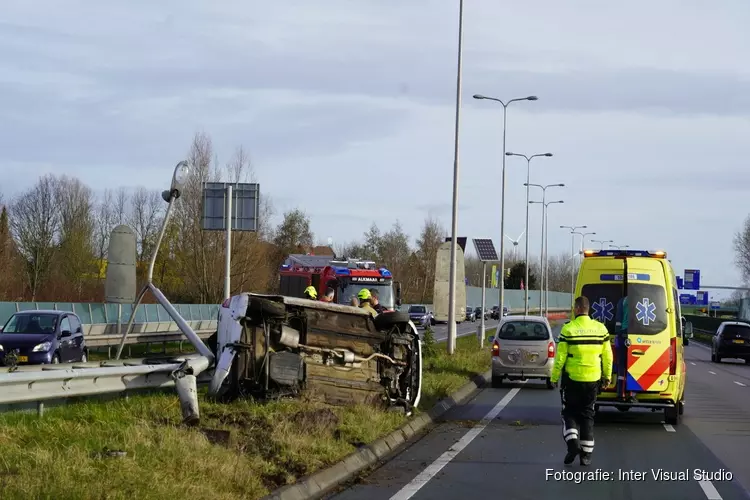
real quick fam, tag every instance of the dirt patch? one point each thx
(322, 418)
(218, 436)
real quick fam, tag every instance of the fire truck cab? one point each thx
(346, 276)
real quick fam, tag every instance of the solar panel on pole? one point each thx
(485, 249)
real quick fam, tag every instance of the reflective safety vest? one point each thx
(367, 307)
(584, 351)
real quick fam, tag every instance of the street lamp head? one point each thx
(479, 96)
(558, 201)
(547, 154)
(510, 154)
(180, 176)
(559, 185)
(532, 98)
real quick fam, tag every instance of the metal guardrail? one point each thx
(32, 386)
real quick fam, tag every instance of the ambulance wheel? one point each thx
(497, 382)
(681, 407)
(672, 416)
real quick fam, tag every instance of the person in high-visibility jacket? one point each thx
(364, 297)
(311, 293)
(583, 362)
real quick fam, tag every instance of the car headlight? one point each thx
(1, 348)
(43, 347)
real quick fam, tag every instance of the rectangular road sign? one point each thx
(715, 304)
(702, 298)
(692, 279)
(485, 249)
(687, 299)
(680, 283)
(245, 206)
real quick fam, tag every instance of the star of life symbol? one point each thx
(603, 310)
(645, 314)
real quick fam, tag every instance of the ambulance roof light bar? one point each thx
(656, 254)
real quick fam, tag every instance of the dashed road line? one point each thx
(693, 363)
(669, 428)
(433, 469)
(712, 373)
(740, 384)
(709, 490)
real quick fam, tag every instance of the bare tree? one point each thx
(76, 248)
(742, 250)
(35, 224)
(429, 241)
(145, 218)
(120, 209)
(107, 217)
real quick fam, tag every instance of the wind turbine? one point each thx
(515, 245)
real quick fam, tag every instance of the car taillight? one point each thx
(551, 350)
(496, 348)
(673, 356)
(225, 304)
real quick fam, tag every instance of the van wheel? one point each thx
(681, 407)
(497, 382)
(672, 415)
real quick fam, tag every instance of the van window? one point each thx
(647, 306)
(678, 314)
(523, 330)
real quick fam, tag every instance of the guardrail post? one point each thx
(40, 408)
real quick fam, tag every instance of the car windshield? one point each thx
(350, 291)
(417, 309)
(644, 309)
(523, 330)
(31, 323)
(742, 331)
(478, 310)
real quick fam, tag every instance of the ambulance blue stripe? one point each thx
(632, 384)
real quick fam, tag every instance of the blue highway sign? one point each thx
(692, 279)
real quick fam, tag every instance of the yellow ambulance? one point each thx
(634, 293)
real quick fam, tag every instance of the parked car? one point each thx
(506, 311)
(420, 316)
(522, 348)
(471, 315)
(732, 340)
(495, 312)
(487, 313)
(478, 312)
(42, 337)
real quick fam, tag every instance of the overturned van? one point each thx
(274, 346)
(634, 293)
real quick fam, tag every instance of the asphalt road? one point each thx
(507, 443)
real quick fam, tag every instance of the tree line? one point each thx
(54, 239)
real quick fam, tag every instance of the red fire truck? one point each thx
(346, 276)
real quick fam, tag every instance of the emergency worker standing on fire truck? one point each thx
(364, 297)
(584, 360)
(311, 293)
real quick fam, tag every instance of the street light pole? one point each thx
(583, 241)
(526, 259)
(454, 214)
(619, 247)
(602, 242)
(541, 235)
(573, 232)
(502, 189)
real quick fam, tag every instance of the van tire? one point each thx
(386, 320)
(672, 416)
(681, 407)
(267, 308)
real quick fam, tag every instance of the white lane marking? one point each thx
(431, 471)
(669, 428)
(692, 363)
(740, 384)
(709, 490)
(712, 373)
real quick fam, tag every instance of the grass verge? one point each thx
(242, 450)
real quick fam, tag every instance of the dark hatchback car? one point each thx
(732, 340)
(42, 337)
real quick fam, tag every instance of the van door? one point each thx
(639, 325)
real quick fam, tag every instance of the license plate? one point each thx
(739, 341)
(23, 359)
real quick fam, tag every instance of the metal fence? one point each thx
(513, 299)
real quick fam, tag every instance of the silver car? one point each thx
(522, 348)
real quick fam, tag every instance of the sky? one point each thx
(347, 110)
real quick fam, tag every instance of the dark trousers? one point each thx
(578, 399)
